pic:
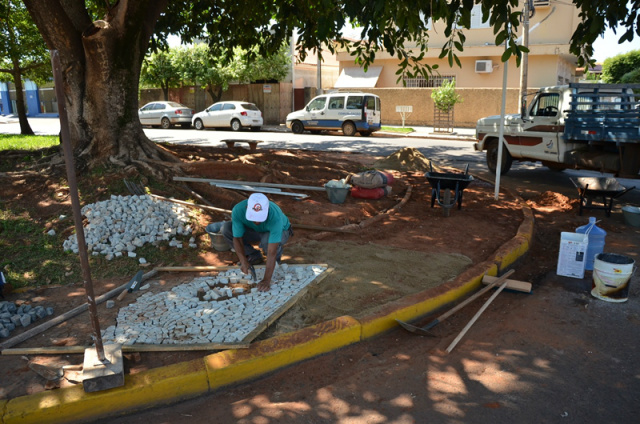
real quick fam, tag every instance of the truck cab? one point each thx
(586, 126)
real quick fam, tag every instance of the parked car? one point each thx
(165, 114)
(351, 112)
(234, 115)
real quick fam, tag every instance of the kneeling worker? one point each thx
(258, 220)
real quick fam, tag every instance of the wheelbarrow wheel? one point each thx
(446, 200)
(492, 158)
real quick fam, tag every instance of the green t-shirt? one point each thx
(276, 222)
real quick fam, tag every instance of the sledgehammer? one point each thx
(424, 331)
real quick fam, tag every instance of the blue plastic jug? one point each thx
(596, 241)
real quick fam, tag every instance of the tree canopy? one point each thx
(22, 53)
(102, 46)
(160, 69)
(615, 69)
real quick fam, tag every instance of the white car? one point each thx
(165, 114)
(234, 115)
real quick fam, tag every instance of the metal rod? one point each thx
(75, 203)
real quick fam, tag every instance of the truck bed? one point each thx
(605, 113)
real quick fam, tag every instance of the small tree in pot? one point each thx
(444, 99)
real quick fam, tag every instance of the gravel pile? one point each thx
(232, 307)
(118, 226)
(12, 316)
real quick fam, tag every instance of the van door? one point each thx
(315, 113)
(372, 111)
(335, 112)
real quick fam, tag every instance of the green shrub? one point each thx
(445, 96)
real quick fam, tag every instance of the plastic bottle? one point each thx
(596, 241)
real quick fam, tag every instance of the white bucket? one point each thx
(611, 275)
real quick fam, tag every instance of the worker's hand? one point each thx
(264, 285)
(244, 266)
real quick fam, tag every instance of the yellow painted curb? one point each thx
(154, 387)
(232, 366)
(528, 223)
(510, 252)
(429, 303)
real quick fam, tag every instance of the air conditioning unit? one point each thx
(541, 3)
(484, 66)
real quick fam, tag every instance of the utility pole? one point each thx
(319, 73)
(524, 66)
(293, 71)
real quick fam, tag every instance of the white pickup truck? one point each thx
(581, 126)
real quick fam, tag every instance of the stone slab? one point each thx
(96, 375)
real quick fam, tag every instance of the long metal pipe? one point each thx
(75, 203)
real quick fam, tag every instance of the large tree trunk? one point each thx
(215, 91)
(101, 64)
(25, 128)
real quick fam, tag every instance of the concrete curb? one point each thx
(182, 381)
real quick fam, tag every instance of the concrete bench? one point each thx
(253, 144)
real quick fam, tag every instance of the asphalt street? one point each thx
(454, 150)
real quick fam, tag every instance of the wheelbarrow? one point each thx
(604, 190)
(443, 184)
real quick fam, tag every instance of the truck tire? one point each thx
(297, 127)
(492, 158)
(349, 129)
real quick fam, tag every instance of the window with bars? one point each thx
(433, 81)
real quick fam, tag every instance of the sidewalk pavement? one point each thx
(468, 134)
(428, 132)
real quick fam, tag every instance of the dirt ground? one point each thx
(556, 355)
(403, 246)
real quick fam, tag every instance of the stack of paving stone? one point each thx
(232, 308)
(120, 225)
(12, 316)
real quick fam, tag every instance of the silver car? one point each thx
(234, 115)
(165, 114)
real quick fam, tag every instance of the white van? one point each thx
(352, 112)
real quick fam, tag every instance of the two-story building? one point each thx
(479, 79)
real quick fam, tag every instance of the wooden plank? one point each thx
(62, 350)
(521, 286)
(284, 308)
(252, 183)
(69, 314)
(475, 317)
(219, 268)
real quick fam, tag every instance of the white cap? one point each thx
(257, 208)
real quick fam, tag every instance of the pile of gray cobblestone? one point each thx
(118, 226)
(13, 316)
(224, 308)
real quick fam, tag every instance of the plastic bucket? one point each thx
(611, 275)
(337, 194)
(631, 215)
